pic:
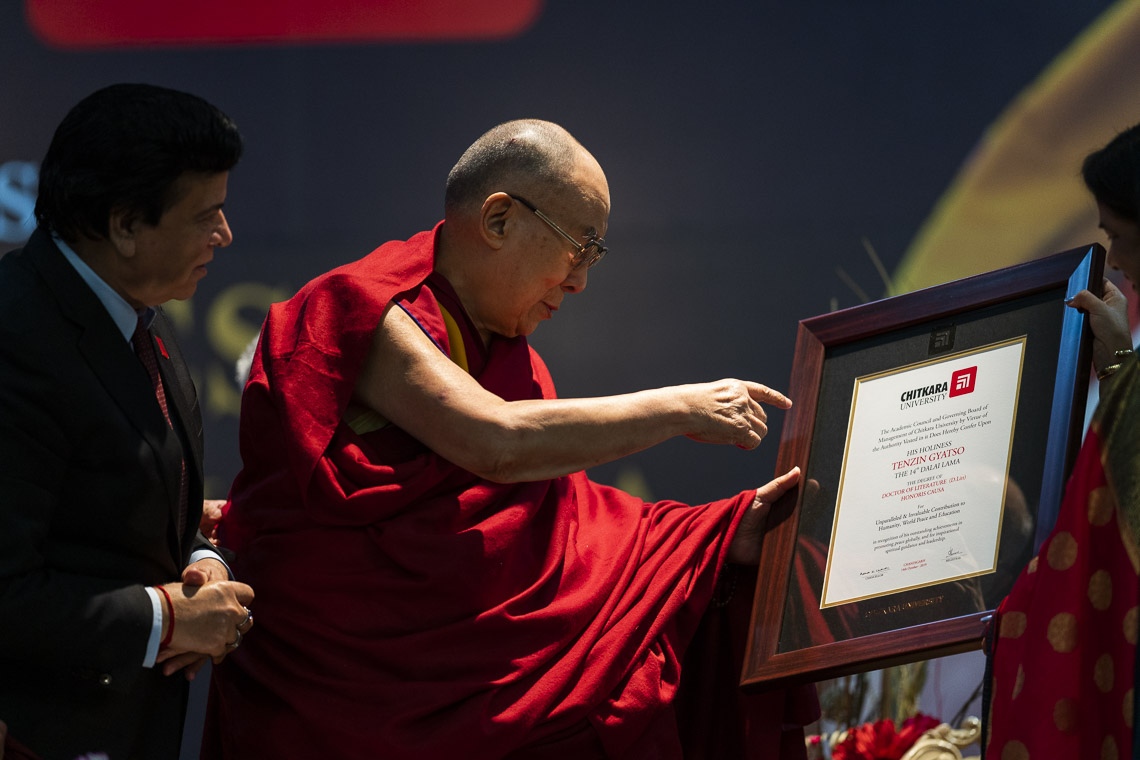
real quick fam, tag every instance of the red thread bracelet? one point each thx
(170, 628)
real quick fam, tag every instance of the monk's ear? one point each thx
(496, 218)
(121, 231)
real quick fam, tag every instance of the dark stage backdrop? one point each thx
(752, 148)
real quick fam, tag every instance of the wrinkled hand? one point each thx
(730, 411)
(212, 513)
(1108, 318)
(746, 544)
(206, 622)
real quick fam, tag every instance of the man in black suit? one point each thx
(110, 597)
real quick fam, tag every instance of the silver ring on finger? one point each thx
(248, 618)
(235, 643)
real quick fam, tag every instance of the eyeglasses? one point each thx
(586, 254)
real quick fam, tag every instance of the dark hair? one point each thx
(1112, 174)
(123, 148)
(526, 149)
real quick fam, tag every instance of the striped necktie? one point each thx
(144, 349)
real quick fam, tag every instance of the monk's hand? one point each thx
(745, 546)
(731, 411)
(213, 510)
(1108, 318)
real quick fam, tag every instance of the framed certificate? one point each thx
(935, 431)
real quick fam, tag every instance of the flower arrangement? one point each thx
(855, 707)
(880, 740)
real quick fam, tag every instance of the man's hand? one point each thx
(188, 662)
(204, 571)
(199, 573)
(208, 620)
(746, 544)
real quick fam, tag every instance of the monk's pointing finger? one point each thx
(766, 395)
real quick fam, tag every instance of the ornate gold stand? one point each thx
(945, 743)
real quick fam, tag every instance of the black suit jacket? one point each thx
(89, 489)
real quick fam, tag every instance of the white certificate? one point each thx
(922, 489)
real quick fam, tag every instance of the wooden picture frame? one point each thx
(792, 637)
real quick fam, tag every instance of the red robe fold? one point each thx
(407, 608)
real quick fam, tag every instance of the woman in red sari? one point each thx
(1064, 646)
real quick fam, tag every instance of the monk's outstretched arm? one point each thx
(415, 386)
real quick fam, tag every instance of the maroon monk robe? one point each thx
(407, 608)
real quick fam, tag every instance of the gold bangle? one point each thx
(1124, 353)
(1109, 370)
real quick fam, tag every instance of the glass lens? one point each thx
(592, 252)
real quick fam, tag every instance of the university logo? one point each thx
(962, 381)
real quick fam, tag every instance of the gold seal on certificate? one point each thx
(924, 474)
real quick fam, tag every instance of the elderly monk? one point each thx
(436, 575)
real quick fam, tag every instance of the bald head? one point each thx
(512, 157)
(510, 264)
